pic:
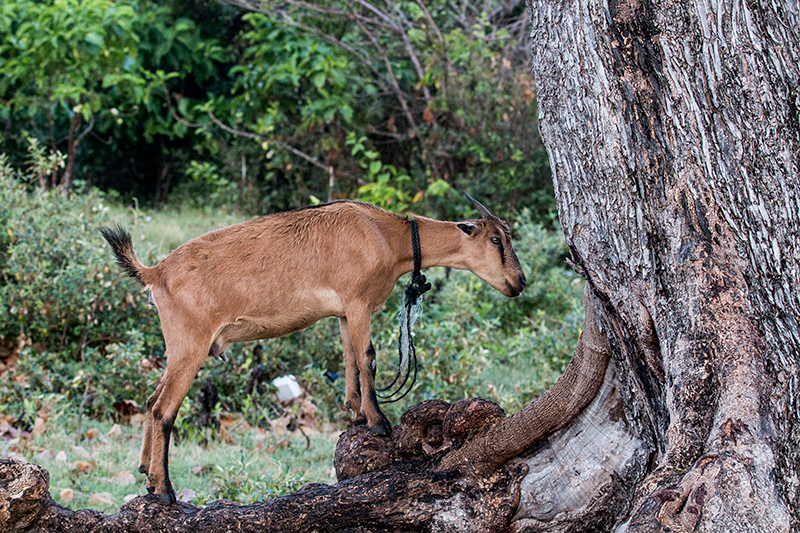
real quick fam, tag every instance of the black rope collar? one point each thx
(418, 284)
(416, 287)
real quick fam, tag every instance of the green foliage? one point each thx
(488, 120)
(301, 82)
(60, 301)
(239, 484)
(176, 57)
(425, 97)
(384, 182)
(41, 162)
(137, 93)
(65, 62)
(207, 190)
(66, 54)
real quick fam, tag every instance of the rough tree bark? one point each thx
(674, 135)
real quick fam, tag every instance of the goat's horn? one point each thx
(479, 206)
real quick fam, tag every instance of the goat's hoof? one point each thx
(151, 490)
(359, 421)
(142, 469)
(353, 407)
(167, 499)
(383, 429)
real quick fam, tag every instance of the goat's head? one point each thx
(489, 252)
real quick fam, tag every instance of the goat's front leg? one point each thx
(352, 393)
(358, 321)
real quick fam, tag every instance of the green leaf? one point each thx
(347, 113)
(438, 188)
(94, 39)
(416, 36)
(415, 11)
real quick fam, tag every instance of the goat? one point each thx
(280, 273)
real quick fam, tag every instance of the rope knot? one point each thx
(417, 286)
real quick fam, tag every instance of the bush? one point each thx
(61, 304)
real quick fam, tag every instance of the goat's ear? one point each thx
(468, 227)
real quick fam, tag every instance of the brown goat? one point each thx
(273, 275)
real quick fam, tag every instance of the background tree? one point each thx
(67, 66)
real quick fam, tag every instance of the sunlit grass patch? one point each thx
(101, 471)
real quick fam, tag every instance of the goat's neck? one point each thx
(440, 245)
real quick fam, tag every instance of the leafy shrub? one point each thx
(206, 190)
(61, 304)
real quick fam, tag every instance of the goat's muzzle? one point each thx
(515, 290)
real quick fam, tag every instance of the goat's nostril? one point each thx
(522, 281)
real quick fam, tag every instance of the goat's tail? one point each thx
(122, 246)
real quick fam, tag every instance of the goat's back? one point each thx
(292, 260)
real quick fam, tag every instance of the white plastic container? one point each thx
(288, 388)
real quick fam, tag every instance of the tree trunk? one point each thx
(72, 152)
(674, 137)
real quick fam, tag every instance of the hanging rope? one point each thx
(410, 309)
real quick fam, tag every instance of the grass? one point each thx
(253, 465)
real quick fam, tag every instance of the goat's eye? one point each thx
(495, 240)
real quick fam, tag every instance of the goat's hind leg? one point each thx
(147, 441)
(182, 367)
(358, 323)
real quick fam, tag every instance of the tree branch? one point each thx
(401, 98)
(261, 138)
(246, 134)
(412, 54)
(89, 128)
